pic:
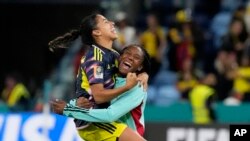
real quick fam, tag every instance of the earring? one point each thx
(139, 69)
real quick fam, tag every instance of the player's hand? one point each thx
(84, 103)
(143, 79)
(131, 80)
(58, 106)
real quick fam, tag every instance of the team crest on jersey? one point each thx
(98, 72)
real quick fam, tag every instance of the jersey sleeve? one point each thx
(73, 102)
(94, 70)
(119, 107)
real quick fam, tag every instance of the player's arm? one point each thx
(143, 79)
(118, 108)
(81, 102)
(94, 70)
(102, 94)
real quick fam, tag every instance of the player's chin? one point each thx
(114, 37)
(123, 71)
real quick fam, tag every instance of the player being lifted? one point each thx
(95, 79)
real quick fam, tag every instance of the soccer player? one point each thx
(129, 106)
(95, 79)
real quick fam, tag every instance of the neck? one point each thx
(105, 43)
(125, 75)
(121, 75)
(153, 28)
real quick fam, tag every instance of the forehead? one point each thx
(135, 50)
(100, 18)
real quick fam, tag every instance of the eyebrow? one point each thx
(136, 54)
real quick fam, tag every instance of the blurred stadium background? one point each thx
(200, 81)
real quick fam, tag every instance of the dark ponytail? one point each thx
(88, 24)
(64, 40)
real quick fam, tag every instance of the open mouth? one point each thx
(126, 65)
(113, 30)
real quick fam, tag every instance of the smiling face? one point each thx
(131, 60)
(105, 28)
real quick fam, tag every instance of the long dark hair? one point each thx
(146, 58)
(88, 24)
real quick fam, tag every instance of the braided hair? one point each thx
(88, 24)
